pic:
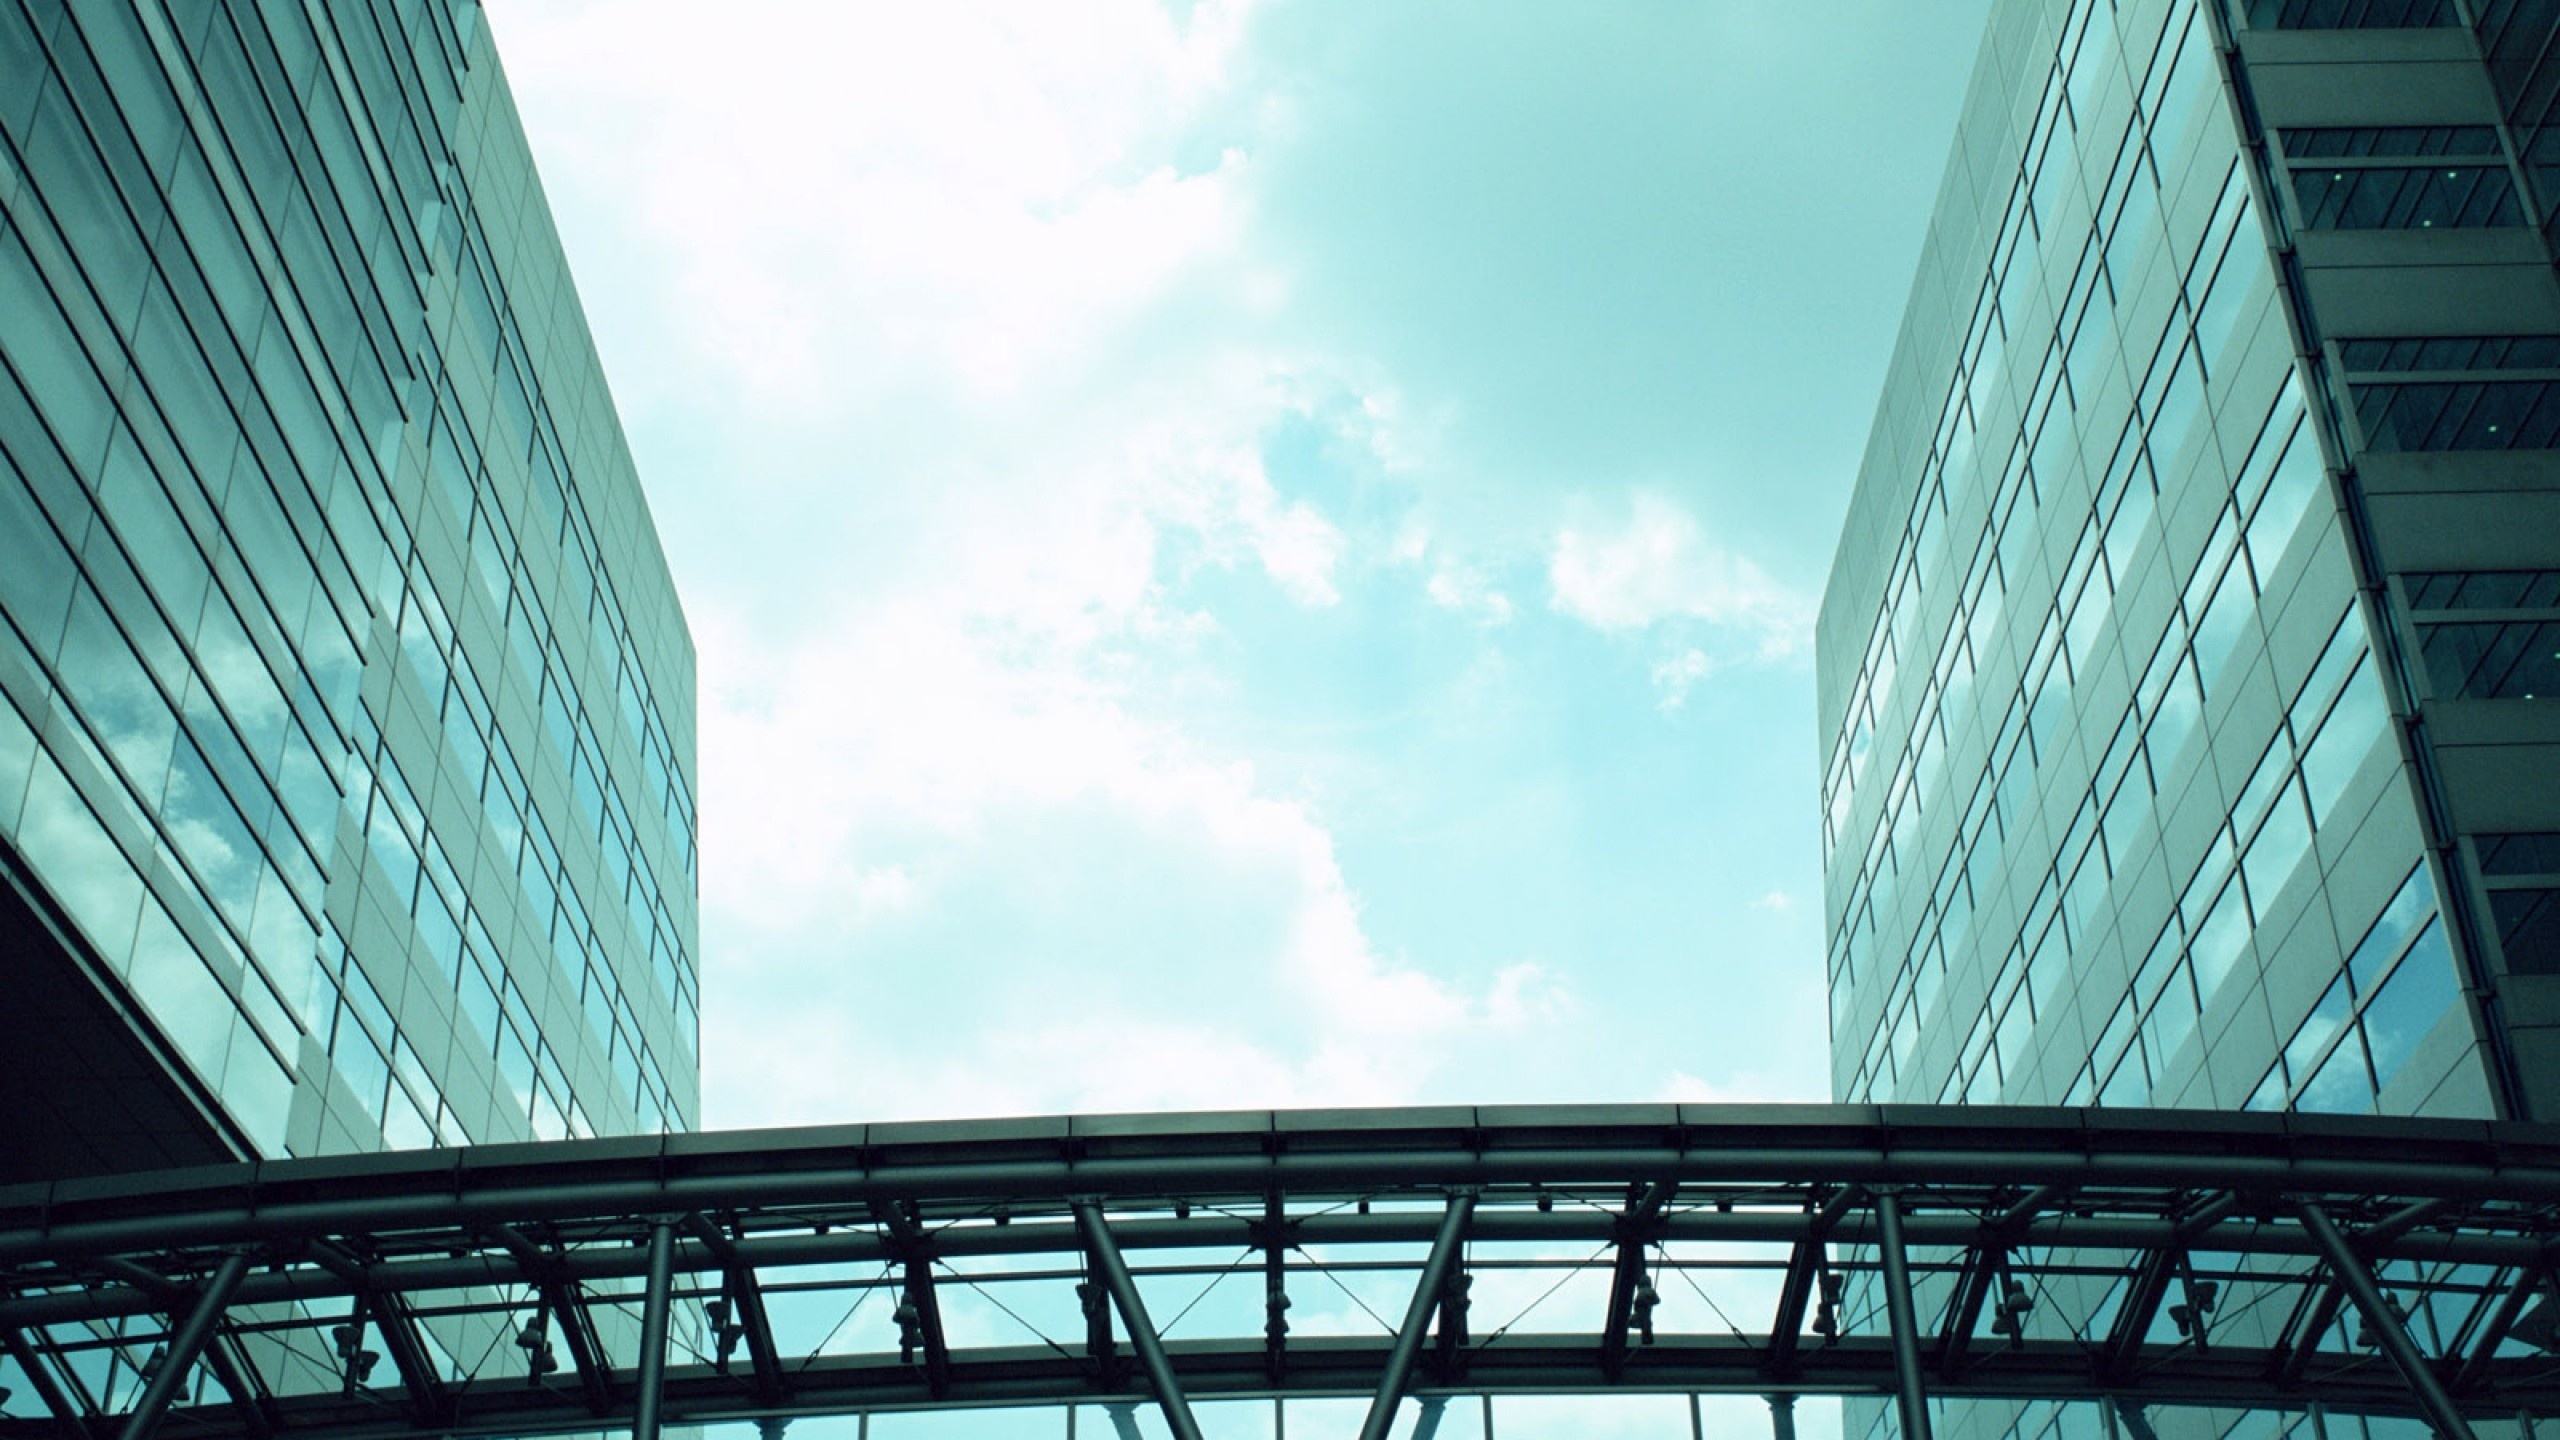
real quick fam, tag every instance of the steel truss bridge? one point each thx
(2143, 1258)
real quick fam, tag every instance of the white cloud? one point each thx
(852, 776)
(1673, 678)
(1299, 549)
(1456, 585)
(956, 316)
(1657, 567)
(975, 189)
(1775, 900)
(925, 258)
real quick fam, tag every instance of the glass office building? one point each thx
(346, 706)
(2190, 668)
(2187, 671)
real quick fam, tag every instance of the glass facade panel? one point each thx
(2176, 850)
(2164, 843)
(2406, 197)
(2487, 635)
(264, 384)
(2516, 661)
(2347, 14)
(2109, 810)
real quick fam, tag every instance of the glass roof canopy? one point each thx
(2139, 1257)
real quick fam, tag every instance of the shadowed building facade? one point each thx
(346, 706)
(2189, 671)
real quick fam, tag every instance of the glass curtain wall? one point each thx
(346, 707)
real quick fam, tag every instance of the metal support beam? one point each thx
(1782, 1416)
(738, 1285)
(568, 1304)
(2141, 1307)
(899, 1221)
(239, 1380)
(907, 1240)
(565, 1303)
(1449, 1342)
(1908, 1391)
(652, 1365)
(2151, 1284)
(2198, 1219)
(1973, 1290)
(2403, 1220)
(937, 1349)
(2320, 1311)
(1274, 1236)
(409, 1356)
(1099, 1347)
(162, 1290)
(185, 1344)
(1786, 1331)
(1133, 1315)
(1417, 1315)
(746, 1310)
(2201, 1297)
(1795, 1293)
(2510, 1309)
(396, 1246)
(38, 1374)
(338, 1260)
(1635, 1230)
(229, 1369)
(388, 1311)
(1989, 1261)
(2349, 1269)
(2028, 1207)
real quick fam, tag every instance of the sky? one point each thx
(1247, 552)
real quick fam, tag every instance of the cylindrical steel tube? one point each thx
(653, 1332)
(185, 1345)
(1900, 1315)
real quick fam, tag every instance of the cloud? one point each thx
(1672, 678)
(962, 295)
(912, 827)
(1658, 567)
(1456, 585)
(969, 192)
(1066, 742)
(1298, 548)
(1775, 900)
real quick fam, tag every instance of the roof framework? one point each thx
(2138, 1257)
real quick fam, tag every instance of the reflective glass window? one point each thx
(2348, 14)
(2470, 415)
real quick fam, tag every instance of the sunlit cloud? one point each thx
(1456, 585)
(870, 194)
(1127, 469)
(1673, 678)
(1657, 565)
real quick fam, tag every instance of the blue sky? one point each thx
(1252, 552)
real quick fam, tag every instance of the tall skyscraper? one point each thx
(2190, 668)
(346, 706)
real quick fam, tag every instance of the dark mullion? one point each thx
(2461, 401)
(2540, 426)
(2498, 659)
